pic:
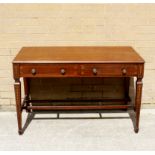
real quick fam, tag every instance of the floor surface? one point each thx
(87, 131)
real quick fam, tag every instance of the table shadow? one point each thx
(31, 116)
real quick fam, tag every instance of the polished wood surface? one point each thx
(76, 70)
(78, 54)
(79, 62)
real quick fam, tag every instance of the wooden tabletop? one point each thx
(78, 54)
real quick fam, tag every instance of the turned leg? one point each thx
(139, 85)
(17, 87)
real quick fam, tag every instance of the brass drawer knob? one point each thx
(124, 71)
(33, 71)
(62, 71)
(94, 71)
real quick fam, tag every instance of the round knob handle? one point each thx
(62, 71)
(124, 71)
(33, 71)
(94, 71)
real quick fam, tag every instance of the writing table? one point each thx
(77, 62)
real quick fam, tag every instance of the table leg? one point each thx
(17, 87)
(138, 96)
(27, 92)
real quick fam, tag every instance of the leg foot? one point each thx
(20, 132)
(136, 130)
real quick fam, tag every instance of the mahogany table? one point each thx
(79, 62)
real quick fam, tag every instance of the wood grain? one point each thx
(78, 54)
(74, 61)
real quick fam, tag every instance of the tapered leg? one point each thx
(17, 87)
(138, 96)
(27, 92)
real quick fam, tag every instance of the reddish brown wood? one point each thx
(78, 54)
(99, 107)
(81, 100)
(27, 91)
(109, 70)
(139, 85)
(16, 71)
(17, 87)
(76, 70)
(60, 62)
(49, 70)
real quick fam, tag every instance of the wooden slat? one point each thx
(100, 107)
(81, 100)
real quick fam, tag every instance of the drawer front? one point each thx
(49, 70)
(109, 70)
(78, 70)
